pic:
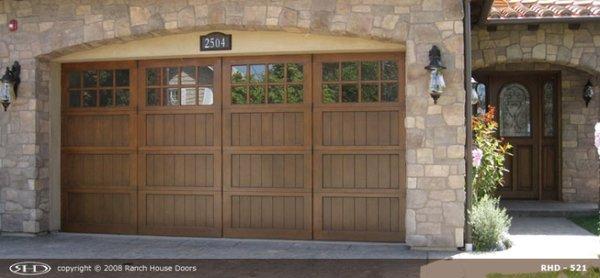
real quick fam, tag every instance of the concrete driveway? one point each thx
(95, 246)
(533, 237)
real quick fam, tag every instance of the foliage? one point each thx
(488, 223)
(489, 156)
(590, 223)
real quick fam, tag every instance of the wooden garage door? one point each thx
(98, 163)
(359, 166)
(180, 147)
(267, 147)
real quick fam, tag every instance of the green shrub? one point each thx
(489, 223)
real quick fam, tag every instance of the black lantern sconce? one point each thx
(588, 92)
(474, 95)
(10, 83)
(478, 97)
(435, 67)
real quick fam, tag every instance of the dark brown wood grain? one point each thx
(359, 182)
(276, 169)
(98, 159)
(266, 167)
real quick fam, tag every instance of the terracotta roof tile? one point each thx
(510, 9)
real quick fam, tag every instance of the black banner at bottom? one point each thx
(301, 268)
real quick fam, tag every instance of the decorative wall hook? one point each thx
(9, 84)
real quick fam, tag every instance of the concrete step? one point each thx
(548, 208)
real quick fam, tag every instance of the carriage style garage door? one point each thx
(304, 146)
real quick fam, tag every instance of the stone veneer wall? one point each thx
(435, 133)
(576, 53)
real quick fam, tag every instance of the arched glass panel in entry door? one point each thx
(515, 111)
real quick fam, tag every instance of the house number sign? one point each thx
(215, 41)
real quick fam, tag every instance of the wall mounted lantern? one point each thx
(478, 97)
(474, 95)
(435, 67)
(9, 83)
(588, 92)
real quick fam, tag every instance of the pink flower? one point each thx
(477, 155)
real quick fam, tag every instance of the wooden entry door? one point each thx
(527, 116)
(267, 147)
(359, 170)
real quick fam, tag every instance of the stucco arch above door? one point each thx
(243, 43)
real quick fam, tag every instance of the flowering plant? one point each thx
(488, 156)
(477, 156)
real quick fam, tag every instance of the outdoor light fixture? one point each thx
(435, 67)
(474, 95)
(9, 84)
(588, 92)
(13, 25)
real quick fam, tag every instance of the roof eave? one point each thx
(540, 20)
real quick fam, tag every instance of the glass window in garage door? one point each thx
(185, 85)
(98, 88)
(269, 83)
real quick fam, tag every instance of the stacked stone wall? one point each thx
(435, 134)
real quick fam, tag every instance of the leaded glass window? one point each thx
(548, 109)
(515, 111)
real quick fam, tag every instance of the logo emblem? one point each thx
(29, 268)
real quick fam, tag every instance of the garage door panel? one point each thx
(359, 164)
(179, 170)
(364, 217)
(80, 130)
(266, 128)
(89, 211)
(180, 129)
(268, 170)
(187, 170)
(266, 151)
(267, 215)
(190, 213)
(98, 161)
(353, 171)
(180, 148)
(359, 128)
(88, 170)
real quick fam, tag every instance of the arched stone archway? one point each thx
(551, 43)
(576, 54)
(580, 167)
